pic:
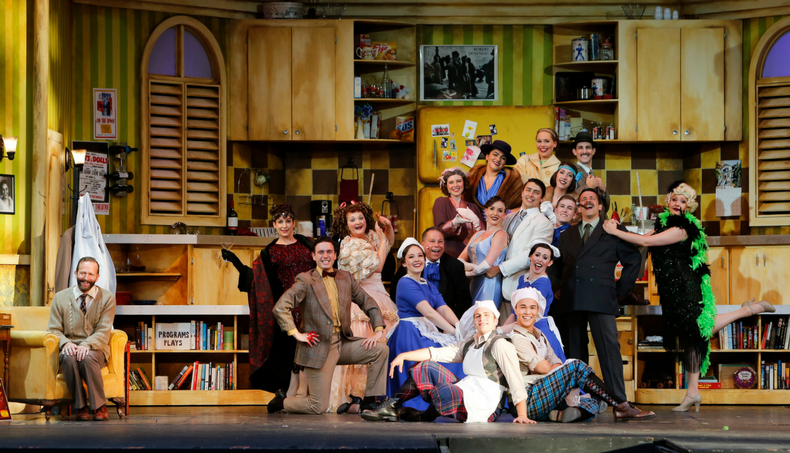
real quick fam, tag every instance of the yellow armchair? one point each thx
(35, 377)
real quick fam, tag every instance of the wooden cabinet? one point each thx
(680, 84)
(291, 83)
(719, 264)
(675, 80)
(759, 272)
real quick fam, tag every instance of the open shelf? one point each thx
(378, 65)
(150, 275)
(384, 101)
(594, 66)
(198, 397)
(373, 26)
(190, 351)
(587, 102)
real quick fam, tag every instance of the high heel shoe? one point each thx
(688, 402)
(343, 408)
(768, 308)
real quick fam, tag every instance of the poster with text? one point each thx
(105, 118)
(93, 179)
(458, 73)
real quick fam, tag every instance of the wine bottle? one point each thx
(386, 83)
(233, 220)
(120, 175)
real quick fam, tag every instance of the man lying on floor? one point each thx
(548, 381)
(491, 367)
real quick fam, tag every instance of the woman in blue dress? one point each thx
(541, 256)
(485, 250)
(422, 312)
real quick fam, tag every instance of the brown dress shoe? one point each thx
(101, 414)
(627, 411)
(83, 415)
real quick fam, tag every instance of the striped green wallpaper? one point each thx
(524, 58)
(16, 118)
(109, 44)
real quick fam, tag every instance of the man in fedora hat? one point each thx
(584, 150)
(493, 178)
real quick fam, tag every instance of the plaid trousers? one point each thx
(436, 385)
(548, 393)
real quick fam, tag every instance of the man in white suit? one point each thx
(523, 226)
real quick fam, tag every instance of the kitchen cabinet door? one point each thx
(229, 292)
(747, 274)
(204, 276)
(719, 263)
(702, 84)
(658, 84)
(313, 77)
(774, 263)
(269, 83)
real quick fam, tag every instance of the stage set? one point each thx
(713, 429)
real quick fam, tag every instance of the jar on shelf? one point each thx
(607, 49)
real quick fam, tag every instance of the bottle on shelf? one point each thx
(233, 220)
(386, 83)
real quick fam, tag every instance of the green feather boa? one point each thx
(699, 257)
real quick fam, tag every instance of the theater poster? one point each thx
(105, 118)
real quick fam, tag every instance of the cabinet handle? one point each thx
(757, 259)
(297, 132)
(674, 132)
(285, 132)
(722, 262)
(686, 132)
(764, 258)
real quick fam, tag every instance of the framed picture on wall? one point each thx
(7, 195)
(459, 73)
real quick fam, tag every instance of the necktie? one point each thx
(587, 231)
(82, 304)
(432, 272)
(328, 274)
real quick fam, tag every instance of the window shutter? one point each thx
(202, 149)
(166, 163)
(773, 149)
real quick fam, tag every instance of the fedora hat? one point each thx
(500, 146)
(583, 136)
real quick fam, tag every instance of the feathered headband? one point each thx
(447, 171)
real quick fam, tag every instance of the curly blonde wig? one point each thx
(340, 219)
(688, 192)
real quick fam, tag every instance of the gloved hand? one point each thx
(467, 265)
(468, 214)
(458, 334)
(548, 210)
(231, 257)
(459, 219)
(478, 269)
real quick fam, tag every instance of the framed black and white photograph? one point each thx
(458, 73)
(7, 195)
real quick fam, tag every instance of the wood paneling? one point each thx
(658, 84)
(269, 83)
(719, 263)
(702, 84)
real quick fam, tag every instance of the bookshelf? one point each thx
(169, 362)
(647, 321)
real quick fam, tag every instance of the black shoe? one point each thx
(343, 408)
(385, 411)
(409, 414)
(276, 403)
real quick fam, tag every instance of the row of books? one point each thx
(738, 336)
(211, 376)
(138, 380)
(775, 334)
(202, 336)
(775, 376)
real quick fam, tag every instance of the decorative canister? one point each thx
(600, 86)
(579, 48)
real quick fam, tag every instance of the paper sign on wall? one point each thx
(470, 127)
(93, 179)
(470, 156)
(728, 188)
(105, 120)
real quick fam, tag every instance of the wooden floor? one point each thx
(714, 428)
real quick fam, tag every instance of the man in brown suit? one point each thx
(82, 317)
(325, 295)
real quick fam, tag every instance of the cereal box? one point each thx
(385, 50)
(405, 125)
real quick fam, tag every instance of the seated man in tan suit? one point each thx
(82, 317)
(325, 295)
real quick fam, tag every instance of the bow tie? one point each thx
(328, 274)
(432, 272)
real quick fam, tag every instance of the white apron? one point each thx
(88, 241)
(481, 395)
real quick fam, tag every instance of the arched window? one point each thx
(769, 141)
(183, 124)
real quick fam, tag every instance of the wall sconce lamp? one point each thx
(75, 159)
(8, 147)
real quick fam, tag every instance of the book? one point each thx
(195, 379)
(192, 335)
(765, 335)
(183, 378)
(710, 385)
(144, 376)
(174, 383)
(787, 340)
(149, 342)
